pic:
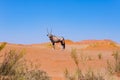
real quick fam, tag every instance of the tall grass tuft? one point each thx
(74, 56)
(117, 61)
(115, 66)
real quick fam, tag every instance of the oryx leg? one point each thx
(53, 45)
(63, 44)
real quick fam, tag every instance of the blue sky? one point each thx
(26, 21)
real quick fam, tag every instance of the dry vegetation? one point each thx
(14, 67)
(96, 61)
(79, 75)
(112, 69)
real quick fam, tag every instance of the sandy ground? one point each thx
(54, 62)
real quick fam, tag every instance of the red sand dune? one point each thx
(69, 42)
(106, 41)
(54, 62)
(99, 44)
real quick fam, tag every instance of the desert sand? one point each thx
(54, 62)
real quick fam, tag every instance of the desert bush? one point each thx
(114, 67)
(112, 44)
(74, 56)
(15, 67)
(38, 75)
(84, 58)
(49, 45)
(99, 56)
(79, 75)
(117, 61)
(90, 58)
(9, 62)
(110, 68)
(2, 45)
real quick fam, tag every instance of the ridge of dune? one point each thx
(68, 41)
(95, 41)
(100, 44)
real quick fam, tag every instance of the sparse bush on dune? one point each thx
(75, 57)
(36, 75)
(112, 44)
(2, 45)
(110, 68)
(79, 75)
(114, 67)
(10, 61)
(49, 45)
(103, 44)
(99, 56)
(84, 58)
(117, 61)
(14, 67)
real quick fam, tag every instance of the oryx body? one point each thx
(55, 39)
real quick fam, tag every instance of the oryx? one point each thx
(55, 39)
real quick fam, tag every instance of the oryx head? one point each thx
(49, 34)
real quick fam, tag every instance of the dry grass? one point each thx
(79, 75)
(15, 67)
(115, 66)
